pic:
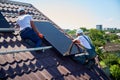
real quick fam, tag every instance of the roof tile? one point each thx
(46, 74)
(63, 70)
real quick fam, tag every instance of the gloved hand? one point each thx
(40, 35)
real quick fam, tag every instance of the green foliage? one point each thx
(115, 71)
(84, 29)
(110, 59)
(97, 37)
(99, 43)
(119, 61)
(72, 32)
(105, 68)
(98, 50)
(116, 41)
(103, 64)
(96, 34)
(100, 53)
(113, 36)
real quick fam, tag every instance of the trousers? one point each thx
(29, 33)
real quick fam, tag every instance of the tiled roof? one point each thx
(36, 65)
(9, 10)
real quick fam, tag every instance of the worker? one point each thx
(85, 41)
(28, 29)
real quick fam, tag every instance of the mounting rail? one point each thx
(7, 29)
(25, 50)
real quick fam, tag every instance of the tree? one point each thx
(97, 37)
(84, 29)
(72, 32)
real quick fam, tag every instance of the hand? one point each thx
(40, 35)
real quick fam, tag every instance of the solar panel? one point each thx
(55, 37)
(4, 25)
(3, 22)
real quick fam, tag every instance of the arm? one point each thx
(76, 41)
(34, 28)
(17, 27)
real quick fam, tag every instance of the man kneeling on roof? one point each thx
(85, 41)
(27, 28)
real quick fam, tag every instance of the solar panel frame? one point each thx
(55, 37)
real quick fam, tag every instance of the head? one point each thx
(21, 11)
(79, 32)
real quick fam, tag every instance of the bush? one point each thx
(119, 61)
(103, 64)
(111, 59)
(115, 72)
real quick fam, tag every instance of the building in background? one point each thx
(99, 27)
(110, 29)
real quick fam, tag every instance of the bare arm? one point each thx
(76, 41)
(34, 28)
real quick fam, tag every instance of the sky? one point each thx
(73, 14)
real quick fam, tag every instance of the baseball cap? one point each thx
(21, 9)
(79, 31)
